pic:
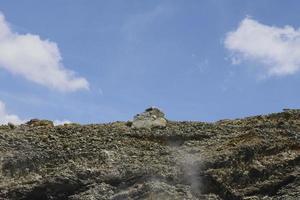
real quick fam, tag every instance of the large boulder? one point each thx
(38, 122)
(152, 117)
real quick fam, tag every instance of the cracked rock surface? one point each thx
(252, 158)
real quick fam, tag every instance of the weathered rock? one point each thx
(38, 122)
(151, 118)
(252, 158)
(11, 125)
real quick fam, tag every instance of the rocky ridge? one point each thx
(253, 158)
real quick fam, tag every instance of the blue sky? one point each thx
(99, 61)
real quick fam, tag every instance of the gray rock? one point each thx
(38, 122)
(151, 118)
(252, 158)
(11, 125)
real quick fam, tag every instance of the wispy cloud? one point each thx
(138, 23)
(36, 60)
(276, 49)
(5, 117)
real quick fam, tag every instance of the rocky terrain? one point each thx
(252, 158)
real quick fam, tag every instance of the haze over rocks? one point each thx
(253, 158)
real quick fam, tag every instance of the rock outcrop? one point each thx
(38, 122)
(252, 158)
(151, 118)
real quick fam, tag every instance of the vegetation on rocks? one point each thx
(252, 158)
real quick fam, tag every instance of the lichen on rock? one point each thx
(252, 158)
(38, 122)
(151, 118)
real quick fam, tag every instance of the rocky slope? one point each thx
(252, 158)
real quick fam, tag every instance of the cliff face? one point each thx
(251, 158)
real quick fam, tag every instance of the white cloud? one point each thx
(5, 117)
(61, 122)
(276, 49)
(36, 60)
